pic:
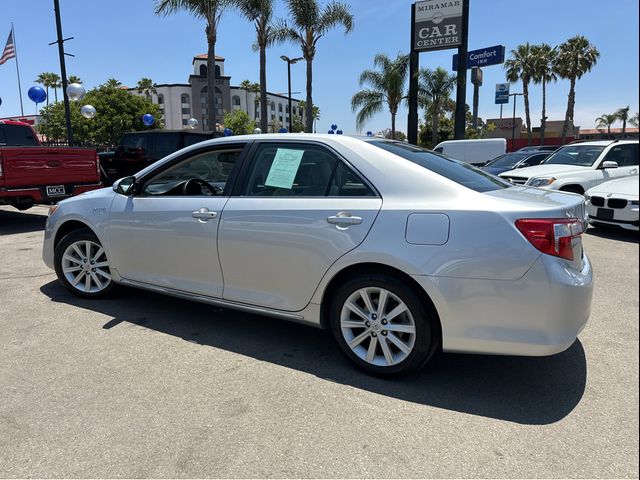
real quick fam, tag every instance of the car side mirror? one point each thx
(124, 186)
(609, 164)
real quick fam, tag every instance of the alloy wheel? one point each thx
(378, 326)
(85, 266)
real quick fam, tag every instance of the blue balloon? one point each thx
(0, 100)
(37, 94)
(148, 119)
(331, 131)
(228, 132)
(369, 133)
(283, 130)
(339, 132)
(334, 127)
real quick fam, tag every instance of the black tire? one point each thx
(82, 235)
(422, 344)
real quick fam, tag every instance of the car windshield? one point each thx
(509, 160)
(579, 155)
(454, 170)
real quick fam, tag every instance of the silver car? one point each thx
(397, 251)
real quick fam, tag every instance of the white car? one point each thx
(614, 203)
(394, 249)
(579, 166)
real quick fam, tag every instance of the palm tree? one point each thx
(575, 57)
(606, 120)
(387, 86)
(260, 13)
(146, 86)
(521, 66)
(315, 112)
(74, 79)
(634, 120)
(113, 83)
(57, 84)
(623, 115)
(544, 57)
(210, 11)
(48, 80)
(435, 93)
(310, 24)
(255, 89)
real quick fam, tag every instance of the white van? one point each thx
(475, 152)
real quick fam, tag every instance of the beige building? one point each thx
(181, 101)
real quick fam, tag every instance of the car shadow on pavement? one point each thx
(614, 233)
(523, 390)
(20, 222)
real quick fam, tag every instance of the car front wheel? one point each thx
(381, 325)
(82, 266)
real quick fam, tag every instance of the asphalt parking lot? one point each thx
(143, 385)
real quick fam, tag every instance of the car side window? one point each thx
(535, 159)
(347, 183)
(290, 170)
(624, 155)
(203, 173)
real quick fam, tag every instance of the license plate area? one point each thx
(55, 190)
(605, 214)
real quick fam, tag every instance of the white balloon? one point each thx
(192, 123)
(88, 111)
(75, 92)
(257, 130)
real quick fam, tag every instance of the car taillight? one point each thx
(553, 236)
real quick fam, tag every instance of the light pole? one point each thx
(289, 62)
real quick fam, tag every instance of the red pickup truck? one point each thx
(31, 173)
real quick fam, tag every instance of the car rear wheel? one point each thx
(381, 325)
(82, 266)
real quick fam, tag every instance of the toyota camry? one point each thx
(397, 251)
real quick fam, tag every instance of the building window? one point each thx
(203, 70)
(235, 102)
(160, 99)
(218, 75)
(186, 111)
(280, 108)
(184, 99)
(184, 122)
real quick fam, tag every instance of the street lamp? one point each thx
(289, 62)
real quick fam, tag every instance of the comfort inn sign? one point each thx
(438, 24)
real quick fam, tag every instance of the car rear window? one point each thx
(454, 170)
(17, 136)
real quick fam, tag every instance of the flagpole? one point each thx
(15, 48)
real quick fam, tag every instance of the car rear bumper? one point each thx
(540, 314)
(39, 194)
(627, 218)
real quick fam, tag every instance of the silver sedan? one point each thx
(397, 251)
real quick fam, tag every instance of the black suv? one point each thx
(140, 149)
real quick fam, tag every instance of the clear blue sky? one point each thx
(125, 40)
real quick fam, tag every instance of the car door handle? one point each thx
(204, 214)
(344, 219)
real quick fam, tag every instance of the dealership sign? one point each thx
(483, 57)
(502, 93)
(438, 25)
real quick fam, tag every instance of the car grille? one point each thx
(517, 180)
(617, 203)
(597, 201)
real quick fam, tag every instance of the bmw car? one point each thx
(395, 250)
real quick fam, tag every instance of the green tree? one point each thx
(543, 58)
(112, 83)
(634, 120)
(435, 96)
(118, 111)
(298, 125)
(74, 79)
(48, 80)
(623, 115)
(315, 113)
(387, 86)
(389, 134)
(239, 122)
(521, 66)
(211, 12)
(260, 12)
(147, 87)
(606, 120)
(576, 57)
(310, 23)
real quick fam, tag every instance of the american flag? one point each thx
(9, 49)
